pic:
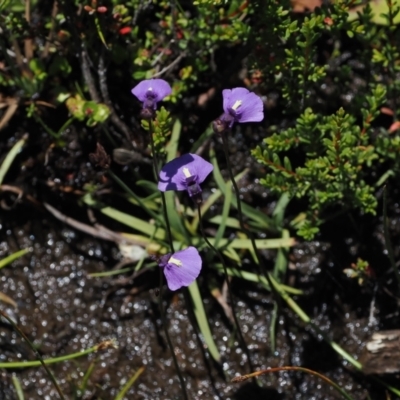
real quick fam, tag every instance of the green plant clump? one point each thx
(337, 152)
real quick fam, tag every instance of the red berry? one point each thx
(125, 30)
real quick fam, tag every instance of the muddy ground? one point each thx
(64, 310)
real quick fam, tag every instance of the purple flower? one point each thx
(151, 91)
(185, 173)
(239, 105)
(181, 268)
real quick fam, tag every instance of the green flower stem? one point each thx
(160, 303)
(46, 127)
(228, 281)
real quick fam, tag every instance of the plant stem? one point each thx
(239, 330)
(243, 226)
(388, 243)
(160, 304)
(301, 369)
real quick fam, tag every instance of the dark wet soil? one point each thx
(63, 310)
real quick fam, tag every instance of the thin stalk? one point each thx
(306, 319)
(192, 319)
(164, 322)
(134, 195)
(241, 219)
(387, 240)
(65, 126)
(160, 303)
(239, 330)
(37, 355)
(301, 369)
(46, 127)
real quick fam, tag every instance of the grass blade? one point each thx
(172, 147)
(251, 277)
(202, 320)
(128, 385)
(37, 363)
(5, 166)
(210, 201)
(86, 377)
(280, 208)
(259, 219)
(245, 244)
(281, 261)
(225, 213)
(12, 257)
(175, 218)
(272, 327)
(230, 222)
(18, 388)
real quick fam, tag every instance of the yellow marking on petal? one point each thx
(173, 260)
(237, 104)
(186, 172)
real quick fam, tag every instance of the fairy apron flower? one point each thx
(240, 105)
(150, 92)
(185, 173)
(181, 268)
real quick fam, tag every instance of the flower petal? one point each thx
(252, 109)
(230, 96)
(158, 87)
(244, 105)
(187, 272)
(172, 176)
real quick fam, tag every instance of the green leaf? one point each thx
(260, 219)
(175, 218)
(172, 147)
(5, 166)
(251, 277)
(133, 222)
(122, 394)
(18, 388)
(225, 213)
(85, 380)
(245, 244)
(281, 261)
(99, 31)
(12, 257)
(279, 210)
(202, 320)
